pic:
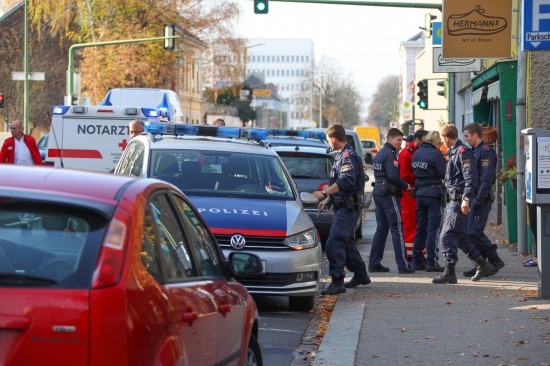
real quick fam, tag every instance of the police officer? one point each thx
(461, 183)
(486, 163)
(408, 203)
(428, 166)
(386, 193)
(345, 193)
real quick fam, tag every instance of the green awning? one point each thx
(493, 91)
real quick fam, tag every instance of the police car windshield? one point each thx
(225, 174)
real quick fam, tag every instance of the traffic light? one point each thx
(1, 100)
(443, 92)
(261, 6)
(169, 32)
(422, 94)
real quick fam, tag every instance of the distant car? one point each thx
(370, 148)
(99, 269)
(246, 196)
(43, 146)
(310, 169)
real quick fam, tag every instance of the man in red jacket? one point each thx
(408, 204)
(19, 149)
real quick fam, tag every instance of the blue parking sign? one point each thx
(535, 32)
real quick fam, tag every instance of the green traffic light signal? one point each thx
(261, 6)
(422, 93)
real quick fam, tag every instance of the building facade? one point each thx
(289, 65)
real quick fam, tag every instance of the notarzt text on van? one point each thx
(103, 130)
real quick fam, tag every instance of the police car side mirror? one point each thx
(308, 198)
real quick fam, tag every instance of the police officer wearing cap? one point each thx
(345, 193)
(461, 181)
(387, 193)
(486, 163)
(428, 166)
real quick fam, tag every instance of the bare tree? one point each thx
(383, 107)
(341, 100)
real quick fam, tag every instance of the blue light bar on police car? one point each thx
(295, 133)
(180, 129)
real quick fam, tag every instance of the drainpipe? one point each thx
(520, 125)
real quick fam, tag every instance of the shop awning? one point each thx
(477, 95)
(493, 91)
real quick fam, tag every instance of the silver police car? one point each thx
(245, 194)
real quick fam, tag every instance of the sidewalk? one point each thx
(407, 320)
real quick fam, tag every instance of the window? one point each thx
(164, 252)
(204, 246)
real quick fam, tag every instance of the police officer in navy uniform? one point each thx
(345, 193)
(428, 166)
(461, 181)
(486, 163)
(387, 193)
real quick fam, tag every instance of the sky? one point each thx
(364, 40)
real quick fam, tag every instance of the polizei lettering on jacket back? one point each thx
(88, 129)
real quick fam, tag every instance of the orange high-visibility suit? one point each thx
(408, 204)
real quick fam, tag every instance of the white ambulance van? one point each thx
(161, 99)
(92, 137)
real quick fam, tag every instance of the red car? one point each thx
(98, 269)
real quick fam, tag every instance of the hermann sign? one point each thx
(477, 29)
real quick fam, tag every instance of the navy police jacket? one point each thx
(461, 173)
(348, 173)
(386, 168)
(428, 166)
(486, 163)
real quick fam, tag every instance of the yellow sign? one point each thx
(261, 92)
(477, 28)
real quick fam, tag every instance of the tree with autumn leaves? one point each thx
(56, 25)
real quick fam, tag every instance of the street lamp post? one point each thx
(74, 47)
(246, 57)
(320, 106)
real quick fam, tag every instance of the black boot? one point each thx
(448, 276)
(484, 269)
(496, 262)
(357, 280)
(471, 272)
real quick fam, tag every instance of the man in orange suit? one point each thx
(408, 203)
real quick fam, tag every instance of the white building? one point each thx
(289, 65)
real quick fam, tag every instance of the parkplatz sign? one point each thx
(477, 29)
(535, 32)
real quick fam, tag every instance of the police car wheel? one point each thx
(302, 303)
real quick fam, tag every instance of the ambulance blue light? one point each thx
(60, 109)
(165, 106)
(107, 99)
(150, 112)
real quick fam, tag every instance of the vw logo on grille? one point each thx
(237, 241)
